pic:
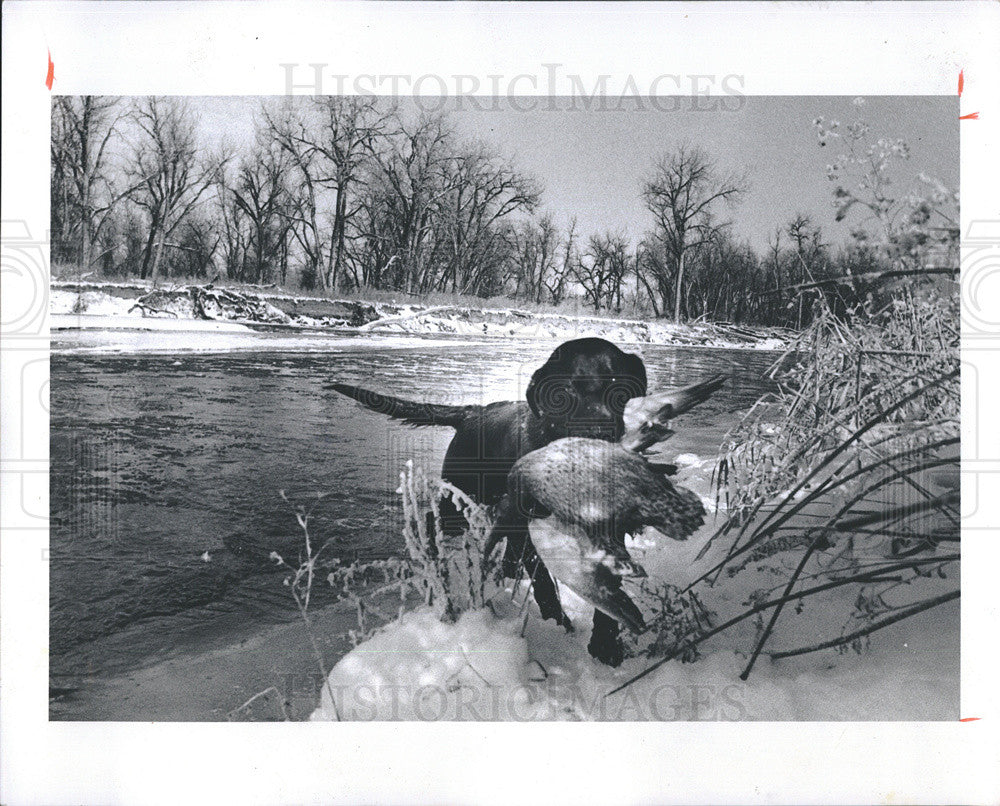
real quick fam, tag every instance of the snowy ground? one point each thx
(116, 321)
(103, 306)
(482, 669)
(485, 668)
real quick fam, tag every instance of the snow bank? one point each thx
(481, 668)
(92, 303)
(512, 323)
(126, 321)
(118, 302)
(422, 669)
(81, 336)
(97, 310)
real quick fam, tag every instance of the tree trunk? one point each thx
(283, 266)
(158, 254)
(332, 266)
(147, 253)
(259, 269)
(317, 267)
(677, 293)
(339, 228)
(85, 241)
(154, 272)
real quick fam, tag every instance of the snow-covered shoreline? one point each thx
(506, 663)
(482, 669)
(497, 665)
(77, 306)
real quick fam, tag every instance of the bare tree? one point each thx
(681, 194)
(602, 269)
(474, 247)
(234, 229)
(409, 181)
(652, 262)
(168, 177)
(261, 193)
(83, 197)
(329, 142)
(807, 238)
(808, 252)
(352, 126)
(195, 240)
(724, 280)
(537, 245)
(290, 132)
(556, 283)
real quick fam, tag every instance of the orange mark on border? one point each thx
(50, 76)
(971, 719)
(961, 82)
(971, 116)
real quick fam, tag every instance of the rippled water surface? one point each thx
(168, 469)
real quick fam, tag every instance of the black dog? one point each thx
(580, 391)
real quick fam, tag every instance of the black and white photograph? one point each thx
(466, 402)
(521, 409)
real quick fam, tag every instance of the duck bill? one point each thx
(656, 411)
(674, 402)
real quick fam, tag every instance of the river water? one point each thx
(168, 467)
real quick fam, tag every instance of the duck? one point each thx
(583, 496)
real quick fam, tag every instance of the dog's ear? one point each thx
(550, 391)
(637, 369)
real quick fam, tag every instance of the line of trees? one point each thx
(340, 193)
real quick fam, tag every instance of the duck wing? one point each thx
(673, 510)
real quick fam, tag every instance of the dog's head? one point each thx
(583, 388)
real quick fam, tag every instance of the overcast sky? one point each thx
(591, 163)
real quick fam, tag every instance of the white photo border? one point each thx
(237, 48)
